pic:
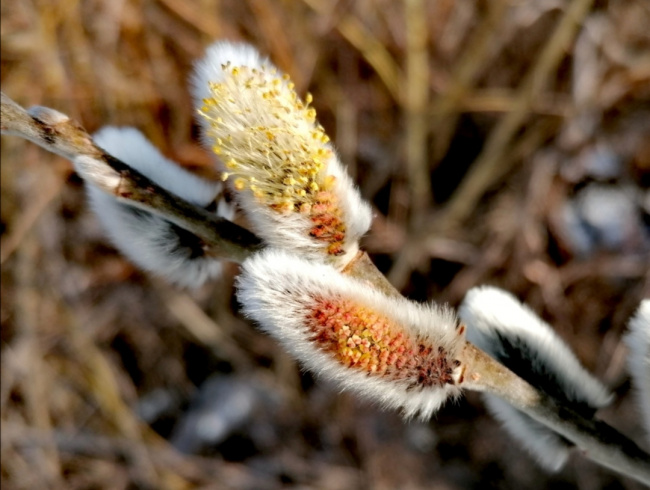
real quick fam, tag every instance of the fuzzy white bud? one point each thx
(638, 341)
(511, 333)
(149, 241)
(389, 350)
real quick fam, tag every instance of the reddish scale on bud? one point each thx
(325, 214)
(360, 339)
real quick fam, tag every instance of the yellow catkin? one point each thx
(265, 134)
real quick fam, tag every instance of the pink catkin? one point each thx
(360, 339)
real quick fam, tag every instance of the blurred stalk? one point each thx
(446, 108)
(35, 379)
(481, 174)
(488, 167)
(371, 48)
(416, 99)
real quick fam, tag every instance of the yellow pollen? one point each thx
(271, 145)
(289, 181)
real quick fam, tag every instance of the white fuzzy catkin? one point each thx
(284, 294)
(509, 331)
(149, 241)
(549, 449)
(277, 158)
(638, 341)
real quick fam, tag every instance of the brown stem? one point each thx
(598, 441)
(59, 134)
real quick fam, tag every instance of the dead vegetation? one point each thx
(500, 142)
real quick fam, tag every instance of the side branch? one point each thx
(57, 133)
(597, 440)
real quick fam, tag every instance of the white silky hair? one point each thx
(276, 290)
(290, 231)
(490, 313)
(284, 231)
(210, 67)
(549, 449)
(149, 241)
(638, 341)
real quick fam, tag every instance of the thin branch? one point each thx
(597, 440)
(416, 86)
(59, 134)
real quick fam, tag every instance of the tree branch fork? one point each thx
(57, 133)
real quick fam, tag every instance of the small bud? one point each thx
(638, 341)
(47, 115)
(398, 353)
(511, 333)
(149, 241)
(304, 201)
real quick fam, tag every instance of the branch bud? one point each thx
(398, 353)
(276, 157)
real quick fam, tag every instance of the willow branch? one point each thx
(57, 133)
(596, 440)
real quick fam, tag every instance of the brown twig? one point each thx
(59, 134)
(600, 442)
(416, 88)
(597, 440)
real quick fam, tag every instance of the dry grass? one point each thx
(534, 95)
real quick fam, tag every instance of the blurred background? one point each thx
(502, 142)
